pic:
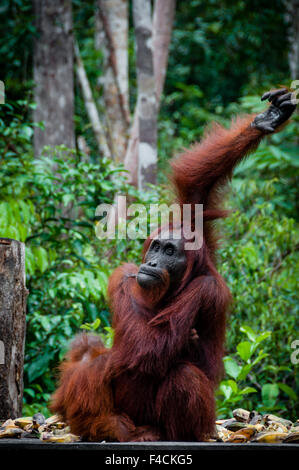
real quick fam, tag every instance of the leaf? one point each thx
(92, 326)
(29, 261)
(263, 336)
(45, 322)
(244, 350)
(108, 336)
(233, 385)
(39, 366)
(96, 324)
(249, 332)
(91, 310)
(226, 391)
(29, 392)
(248, 390)
(25, 211)
(41, 258)
(67, 198)
(288, 390)
(244, 371)
(231, 367)
(260, 357)
(27, 132)
(270, 393)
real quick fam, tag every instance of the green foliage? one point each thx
(243, 379)
(259, 260)
(18, 30)
(50, 205)
(224, 47)
(276, 159)
(106, 335)
(220, 50)
(36, 401)
(233, 391)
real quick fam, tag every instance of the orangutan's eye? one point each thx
(169, 250)
(156, 246)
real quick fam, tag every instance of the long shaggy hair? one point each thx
(157, 382)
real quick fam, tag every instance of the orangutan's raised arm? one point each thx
(198, 173)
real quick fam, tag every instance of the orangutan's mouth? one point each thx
(150, 272)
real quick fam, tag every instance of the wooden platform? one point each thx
(24, 445)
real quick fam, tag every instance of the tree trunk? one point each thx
(146, 102)
(53, 74)
(131, 158)
(12, 326)
(292, 18)
(162, 26)
(112, 19)
(90, 106)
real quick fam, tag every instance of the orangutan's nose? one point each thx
(153, 264)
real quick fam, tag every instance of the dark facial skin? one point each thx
(162, 255)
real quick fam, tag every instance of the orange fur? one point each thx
(155, 382)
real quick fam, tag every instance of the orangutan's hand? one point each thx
(283, 104)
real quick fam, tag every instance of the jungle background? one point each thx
(71, 93)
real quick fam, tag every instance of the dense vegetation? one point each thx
(221, 51)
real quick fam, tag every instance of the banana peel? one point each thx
(293, 438)
(270, 437)
(55, 421)
(10, 432)
(241, 415)
(242, 435)
(223, 433)
(23, 422)
(64, 438)
(268, 418)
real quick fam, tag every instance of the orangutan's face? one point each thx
(163, 256)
